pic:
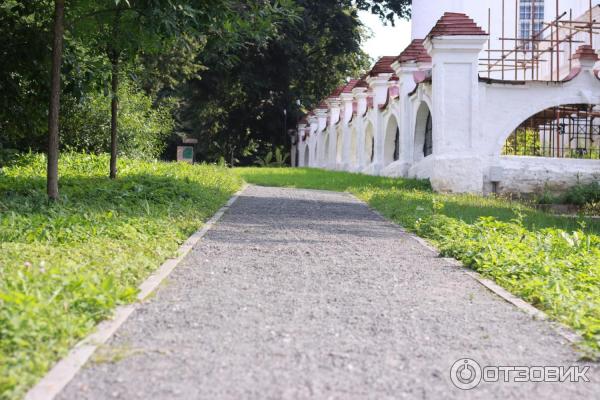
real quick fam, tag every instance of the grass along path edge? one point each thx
(66, 369)
(551, 262)
(65, 267)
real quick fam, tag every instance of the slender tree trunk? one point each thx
(54, 107)
(114, 117)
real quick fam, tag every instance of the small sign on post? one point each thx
(186, 153)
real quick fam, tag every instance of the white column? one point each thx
(300, 145)
(360, 94)
(458, 166)
(379, 86)
(405, 73)
(334, 117)
(346, 116)
(312, 141)
(321, 158)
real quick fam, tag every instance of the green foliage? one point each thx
(24, 72)
(555, 270)
(583, 194)
(302, 62)
(143, 126)
(551, 261)
(7, 156)
(278, 160)
(524, 142)
(65, 266)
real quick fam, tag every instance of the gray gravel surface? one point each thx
(300, 294)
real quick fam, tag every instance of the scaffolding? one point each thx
(544, 55)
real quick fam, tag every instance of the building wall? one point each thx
(425, 13)
(471, 120)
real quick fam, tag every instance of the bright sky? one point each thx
(386, 40)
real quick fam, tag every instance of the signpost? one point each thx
(186, 152)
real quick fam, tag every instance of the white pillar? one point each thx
(405, 72)
(312, 141)
(457, 164)
(346, 116)
(379, 85)
(334, 117)
(321, 133)
(360, 94)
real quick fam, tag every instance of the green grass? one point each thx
(553, 262)
(64, 267)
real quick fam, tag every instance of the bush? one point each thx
(582, 195)
(143, 126)
(7, 156)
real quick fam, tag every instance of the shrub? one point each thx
(143, 126)
(582, 195)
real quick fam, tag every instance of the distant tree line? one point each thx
(131, 77)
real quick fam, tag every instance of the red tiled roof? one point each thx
(362, 82)
(586, 52)
(414, 52)
(383, 66)
(456, 24)
(303, 121)
(350, 85)
(323, 106)
(394, 78)
(336, 93)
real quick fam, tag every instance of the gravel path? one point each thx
(306, 294)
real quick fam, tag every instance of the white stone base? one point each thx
(527, 175)
(397, 169)
(452, 174)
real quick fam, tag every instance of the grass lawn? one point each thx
(552, 262)
(66, 266)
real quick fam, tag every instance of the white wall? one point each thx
(536, 174)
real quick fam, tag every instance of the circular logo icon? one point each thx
(465, 374)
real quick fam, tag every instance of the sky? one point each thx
(386, 40)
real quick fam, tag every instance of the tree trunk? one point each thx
(114, 115)
(54, 107)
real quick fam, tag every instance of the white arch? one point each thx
(306, 157)
(507, 109)
(421, 120)
(339, 145)
(325, 150)
(369, 145)
(354, 147)
(391, 150)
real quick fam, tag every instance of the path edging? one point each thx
(564, 331)
(65, 369)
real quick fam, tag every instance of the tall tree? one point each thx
(54, 109)
(123, 30)
(241, 107)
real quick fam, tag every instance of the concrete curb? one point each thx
(564, 331)
(65, 370)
